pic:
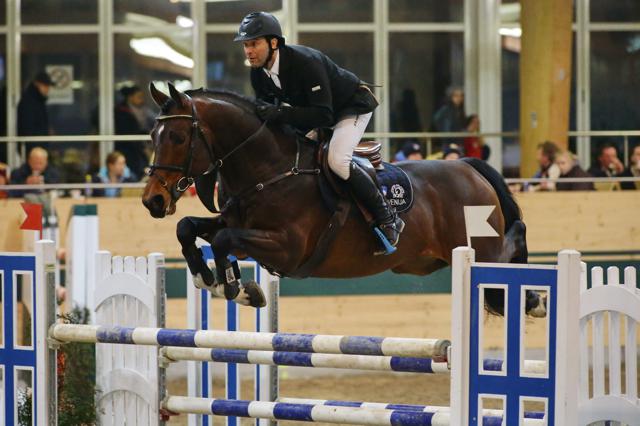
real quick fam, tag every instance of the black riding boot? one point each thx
(366, 192)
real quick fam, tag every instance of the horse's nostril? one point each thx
(155, 205)
(157, 202)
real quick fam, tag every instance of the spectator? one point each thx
(35, 171)
(474, 145)
(115, 171)
(546, 157)
(451, 116)
(633, 170)
(131, 118)
(410, 151)
(33, 118)
(569, 168)
(452, 152)
(607, 162)
(4, 179)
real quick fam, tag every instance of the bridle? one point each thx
(196, 134)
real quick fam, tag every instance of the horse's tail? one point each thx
(510, 209)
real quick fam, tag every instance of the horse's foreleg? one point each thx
(188, 229)
(263, 245)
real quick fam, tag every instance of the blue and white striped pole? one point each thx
(322, 413)
(302, 359)
(287, 342)
(351, 362)
(400, 407)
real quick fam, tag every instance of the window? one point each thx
(426, 11)
(38, 12)
(335, 11)
(232, 12)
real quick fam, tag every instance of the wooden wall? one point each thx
(588, 221)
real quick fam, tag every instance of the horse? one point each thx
(274, 211)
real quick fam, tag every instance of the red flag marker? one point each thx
(33, 220)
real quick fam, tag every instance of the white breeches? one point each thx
(346, 136)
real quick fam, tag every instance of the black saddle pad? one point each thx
(396, 186)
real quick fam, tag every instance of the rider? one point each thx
(304, 88)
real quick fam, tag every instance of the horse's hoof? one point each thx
(251, 295)
(536, 308)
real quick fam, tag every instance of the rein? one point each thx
(214, 165)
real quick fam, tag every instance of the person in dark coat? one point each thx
(304, 88)
(35, 171)
(130, 119)
(451, 116)
(569, 168)
(33, 118)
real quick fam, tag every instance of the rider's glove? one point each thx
(270, 112)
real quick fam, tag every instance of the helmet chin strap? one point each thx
(271, 50)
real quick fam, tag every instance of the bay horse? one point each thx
(274, 212)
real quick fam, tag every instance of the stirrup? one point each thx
(389, 246)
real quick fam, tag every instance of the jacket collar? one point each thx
(284, 67)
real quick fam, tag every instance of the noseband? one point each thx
(186, 180)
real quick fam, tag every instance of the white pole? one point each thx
(463, 257)
(45, 395)
(567, 338)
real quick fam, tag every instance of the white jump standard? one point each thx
(552, 380)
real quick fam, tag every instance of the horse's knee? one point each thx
(222, 242)
(186, 231)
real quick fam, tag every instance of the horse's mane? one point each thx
(245, 103)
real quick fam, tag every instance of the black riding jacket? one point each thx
(319, 91)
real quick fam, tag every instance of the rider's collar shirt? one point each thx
(274, 71)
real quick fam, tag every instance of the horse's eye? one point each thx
(176, 138)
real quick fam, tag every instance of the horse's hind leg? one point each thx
(515, 243)
(515, 248)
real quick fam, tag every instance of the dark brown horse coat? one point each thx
(280, 225)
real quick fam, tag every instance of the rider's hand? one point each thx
(269, 112)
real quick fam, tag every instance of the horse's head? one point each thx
(181, 151)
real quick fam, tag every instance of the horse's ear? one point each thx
(178, 97)
(158, 97)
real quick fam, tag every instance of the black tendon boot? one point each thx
(366, 192)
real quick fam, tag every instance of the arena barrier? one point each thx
(556, 387)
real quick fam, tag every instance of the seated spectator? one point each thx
(115, 171)
(546, 157)
(410, 151)
(473, 145)
(35, 171)
(4, 179)
(569, 168)
(633, 170)
(451, 152)
(607, 162)
(607, 165)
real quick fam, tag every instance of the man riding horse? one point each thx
(274, 205)
(304, 88)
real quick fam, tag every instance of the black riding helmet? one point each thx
(259, 24)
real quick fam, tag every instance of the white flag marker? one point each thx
(476, 221)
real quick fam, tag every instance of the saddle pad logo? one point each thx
(397, 191)
(397, 196)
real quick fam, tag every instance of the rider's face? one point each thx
(257, 51)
